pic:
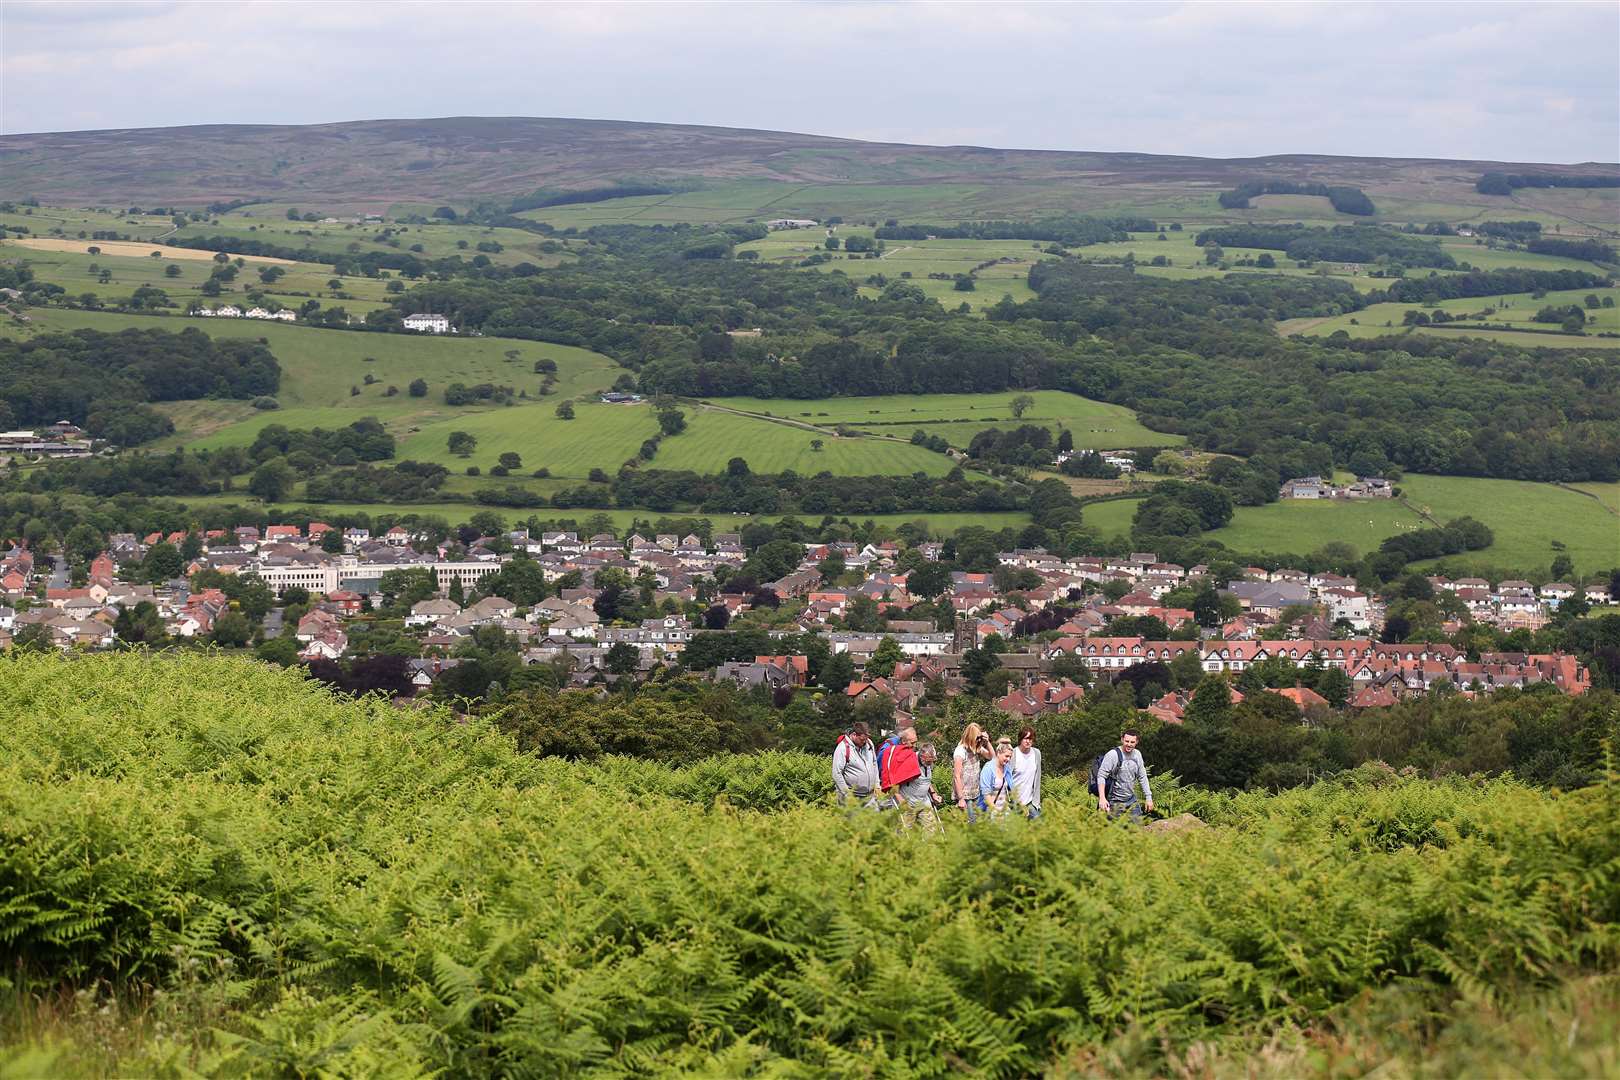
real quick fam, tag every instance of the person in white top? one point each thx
(1026, 764)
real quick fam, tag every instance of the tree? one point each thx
(884, 658)
(837, 673)
(816, 445)
(831, 568)
(671, 421)
(1021, 405)
(1211, 705)
(83, 542)
(623, 658)
(928, 580)
(162, 563)
(140, 625)
(511, 459)
(171, 270)
(273, 480)
(737, 467)
(462, 444)
(233, 630)
(282, 651)
(418, 388)
(1334, 685)
(565, 410)
(1563, 568)
(332, 541)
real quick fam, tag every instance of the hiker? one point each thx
(1118, 773)
(916, 796)
(996, 779)
(854, 768)
(1026, 762)
(903, 740)
(966, 760)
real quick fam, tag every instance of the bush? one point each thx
(266, 403)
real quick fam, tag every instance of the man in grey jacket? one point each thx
(1122, 769)
(855, 768)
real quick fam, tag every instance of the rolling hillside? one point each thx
(380, 163)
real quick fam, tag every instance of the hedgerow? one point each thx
(365, 889)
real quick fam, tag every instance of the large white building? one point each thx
(428, 323)
(347, 571)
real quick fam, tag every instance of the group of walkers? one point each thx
(987, 779)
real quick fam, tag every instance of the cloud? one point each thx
(1502, 81)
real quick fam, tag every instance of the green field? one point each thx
(455, 512)
(69, 223)
(605, 436)
(319, 367)
(1095, 425)
(712, 438)
(72, 270)
(1511, 315)
(1525, 517)
(268, 224)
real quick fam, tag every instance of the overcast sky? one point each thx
(1527, 82)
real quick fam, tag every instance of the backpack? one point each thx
(1096, 770)
(883, 755)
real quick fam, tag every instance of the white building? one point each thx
(427, 323)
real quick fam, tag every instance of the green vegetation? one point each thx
(320, 366)
(1526, 518)
(1503, 314)
(341, 887)
(78, 273)
(1094, 425)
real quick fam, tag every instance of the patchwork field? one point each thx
(1525, 517)
(1094, 425)
(269, 224)
(68, 264)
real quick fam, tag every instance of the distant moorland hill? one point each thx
(462, 160)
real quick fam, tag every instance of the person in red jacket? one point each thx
(897, 763)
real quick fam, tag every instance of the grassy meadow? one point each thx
(1095, 425)
(1526, 519)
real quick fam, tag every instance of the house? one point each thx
(1303, 697)
(432, 612)
(427, 323)
(1305, 487)
(797, 668)
(748, 676)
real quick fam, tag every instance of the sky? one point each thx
(1535, 82)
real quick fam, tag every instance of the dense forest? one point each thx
(1341, 243)
(1070, 230)
(1496, 183)
(103, 381)
(1344, 199)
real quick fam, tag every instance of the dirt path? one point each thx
(800, 424)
